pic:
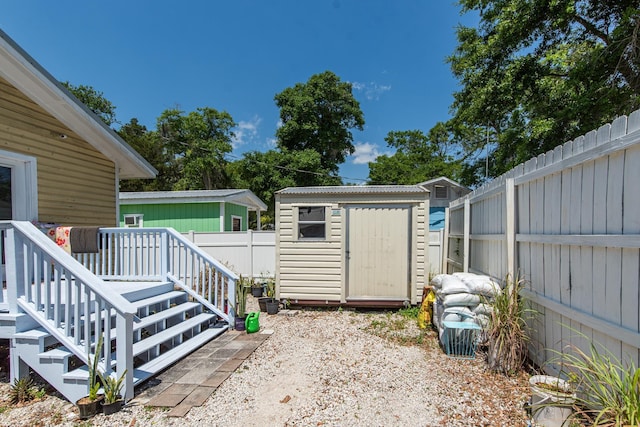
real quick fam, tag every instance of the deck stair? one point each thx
(169, 326)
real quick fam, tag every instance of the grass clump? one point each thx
(23, 390)
(608, 389)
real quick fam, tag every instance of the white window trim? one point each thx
(24, 185)
(296, 221)
(138, 223)
(236, 217)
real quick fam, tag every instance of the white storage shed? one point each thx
(352, 245)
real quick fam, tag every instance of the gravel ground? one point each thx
(328, 368)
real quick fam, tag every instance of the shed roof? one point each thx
(30, 78)
(352, 189)
(239, 196)
(441, 180)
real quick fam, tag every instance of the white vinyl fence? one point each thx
(252, 253)
(568, 222)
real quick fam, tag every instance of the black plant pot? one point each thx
(112, 408)
(273, 305)
(239, 323)
(262, 302)
(88, 408)
(256, 292)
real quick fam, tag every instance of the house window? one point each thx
(311, 222)
(441, 192)
(236, 223)
(133, 220)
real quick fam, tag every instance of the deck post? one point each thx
(15, 275)
(124, 355)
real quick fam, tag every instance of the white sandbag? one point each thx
(436, 282)
(479, 284)
(451, 317)
(482, 308)
(452, 285)
(438, 310)
(461, 299)
(482, 320)
(462, 312)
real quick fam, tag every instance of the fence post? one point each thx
(250, 249)
(510, 216)
(467, 232)
(445, 243)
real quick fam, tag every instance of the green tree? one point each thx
(95, 100)
(198, 141)
(537, 73)
(319, 115)
(264, 173)
(150, 146)
(418, 158)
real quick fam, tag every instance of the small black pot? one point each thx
(239, 323)
(89, 408)
(273, 306)
(262, 302)
(256, 292)
(112, 408)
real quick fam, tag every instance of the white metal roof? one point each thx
(23, 72)
(239, 196)
(353, 189)
(441, 180)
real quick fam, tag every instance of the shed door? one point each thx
(377, 252)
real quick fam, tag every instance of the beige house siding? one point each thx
(76, 183)
(315, 270)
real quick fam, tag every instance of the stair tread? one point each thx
(159, 363)
(167, 334)
(56, 353)
(32, 334)
(153, 318)
(157, 299)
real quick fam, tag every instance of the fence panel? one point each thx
(577, 239)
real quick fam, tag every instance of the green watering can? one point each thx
(252, 322)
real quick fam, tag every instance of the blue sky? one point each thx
(148, 56)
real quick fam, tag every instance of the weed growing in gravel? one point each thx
(400, 327)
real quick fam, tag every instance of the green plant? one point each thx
(243, 287)
(112, 387)
(94, 374)
(608, 390)
(271, 287)
(507, 331)
(23, 390)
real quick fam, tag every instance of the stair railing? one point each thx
(66, 299)
(164, 254)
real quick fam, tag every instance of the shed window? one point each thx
(133, 220)
(311, 222)
(441, 192)
(236, 223)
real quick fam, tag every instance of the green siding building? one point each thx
(196, 210)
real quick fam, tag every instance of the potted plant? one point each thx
(88, 405)
(269, 287)
(242, 290)
(256, 289)
(112, 387)
(552, 400)
(271, 304)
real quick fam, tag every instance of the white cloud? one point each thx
(246, 131)
(371, 90)
(365, 152)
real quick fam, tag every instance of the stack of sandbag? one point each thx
(463, 297)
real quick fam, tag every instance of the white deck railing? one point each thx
(164, 254)
(67, 294)
(67, 299)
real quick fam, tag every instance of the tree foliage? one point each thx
(536, 73)
(95, 100)
(150, 146)
(319, 115)
(267, 172)
(418, 157)
(198, 141)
